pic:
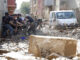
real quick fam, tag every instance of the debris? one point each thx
(3, 51)
(53, 55)
(18, 56)
(23, 38)
(19, 45)
(43, 46)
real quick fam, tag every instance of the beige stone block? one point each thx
(43, 46)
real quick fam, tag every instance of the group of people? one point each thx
(11, 23)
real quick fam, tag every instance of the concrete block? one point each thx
(43, 46)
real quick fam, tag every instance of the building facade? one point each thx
(42, 8)
(3, 9)
(11, 6)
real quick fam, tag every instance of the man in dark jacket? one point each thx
(7, 22)
(30, 19)
(31, 23)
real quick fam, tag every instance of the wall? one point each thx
(33, 7)
(64, 5)
(72, 4)
(75, 5)
(3, 9)
(11, 6)
(46, 7)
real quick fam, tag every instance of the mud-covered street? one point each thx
(18, 49)
(39, 29)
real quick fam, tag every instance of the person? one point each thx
(16, 23)
(39, 23)
(30, 19)
(31, 23)
(23, 19)
(6, 23)
(19, 18)
(9, 23)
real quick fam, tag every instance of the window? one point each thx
(65, 15)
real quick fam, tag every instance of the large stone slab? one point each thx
(42, 46)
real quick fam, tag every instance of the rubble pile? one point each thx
(72, 33)
(20, 47)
